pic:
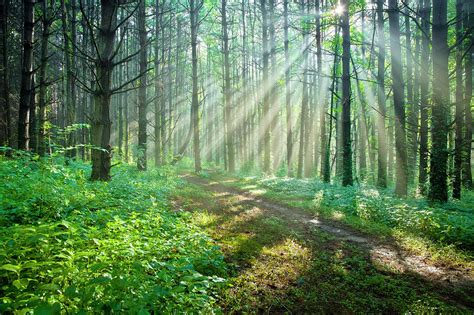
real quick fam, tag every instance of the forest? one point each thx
(236, 157)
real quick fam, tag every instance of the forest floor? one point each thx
(285, 259)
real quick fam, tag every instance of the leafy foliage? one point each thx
(74, 246)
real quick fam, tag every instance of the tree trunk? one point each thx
(4, 77)
(289, 122)
(142, 102)
(304, 99)
(266, 97)
(229, 136)
(46, 22)
(346, 98)
(440, 107)
(411, 106)
(401, 187)
(467, 170)
(26, 88)
(194, 15)
(100, 130)
(459, 105)
(158, 87)
(382, 111)
(424, 94)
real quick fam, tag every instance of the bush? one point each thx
(73, 246)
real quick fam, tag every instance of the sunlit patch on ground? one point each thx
(265, 283)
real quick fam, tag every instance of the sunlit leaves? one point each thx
(77, 246)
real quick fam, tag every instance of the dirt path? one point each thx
(381, 252)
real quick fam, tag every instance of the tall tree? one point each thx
(27, 87)
(4, 88)
(142, 101)
(440, 107)
(46, 21)
(382, 112)
(265, 83)
(346, 97)
(289, 122)
(467, 170)
(104, 64)
(229, 118)
(305, 96)
(195, 7)
(398, 99)
(424, 93)
(459, 113)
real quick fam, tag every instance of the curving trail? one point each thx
(380, 252)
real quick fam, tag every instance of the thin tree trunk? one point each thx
(346, 98)
(4, 77)
(424, 94)
(142, 102)
(26, 87)
(46, 22)
(194, 15)
(401, 188)
(382, 111)
(304, 99)
(229, 136)
(459, 105)
(440, 112)
(467, 169)
(266, 97)
(289, 122)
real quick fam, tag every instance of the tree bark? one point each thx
(382, 111)
(440, 109)
(26, 87)
(42, 103)
(424, 94)
(401, 187)
(467, 169)
(347, 179)
(229, 136)
(194, 15)
(458, 145)
(142, 102)
(265, 86)
(4, 77)
(100, 130)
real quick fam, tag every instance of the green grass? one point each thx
(279, 267)
(68, 245)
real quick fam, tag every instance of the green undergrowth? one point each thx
(68, 245)
(445, 232)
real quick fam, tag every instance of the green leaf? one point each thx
(47, 309)
(21, 284)
(10, 267)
